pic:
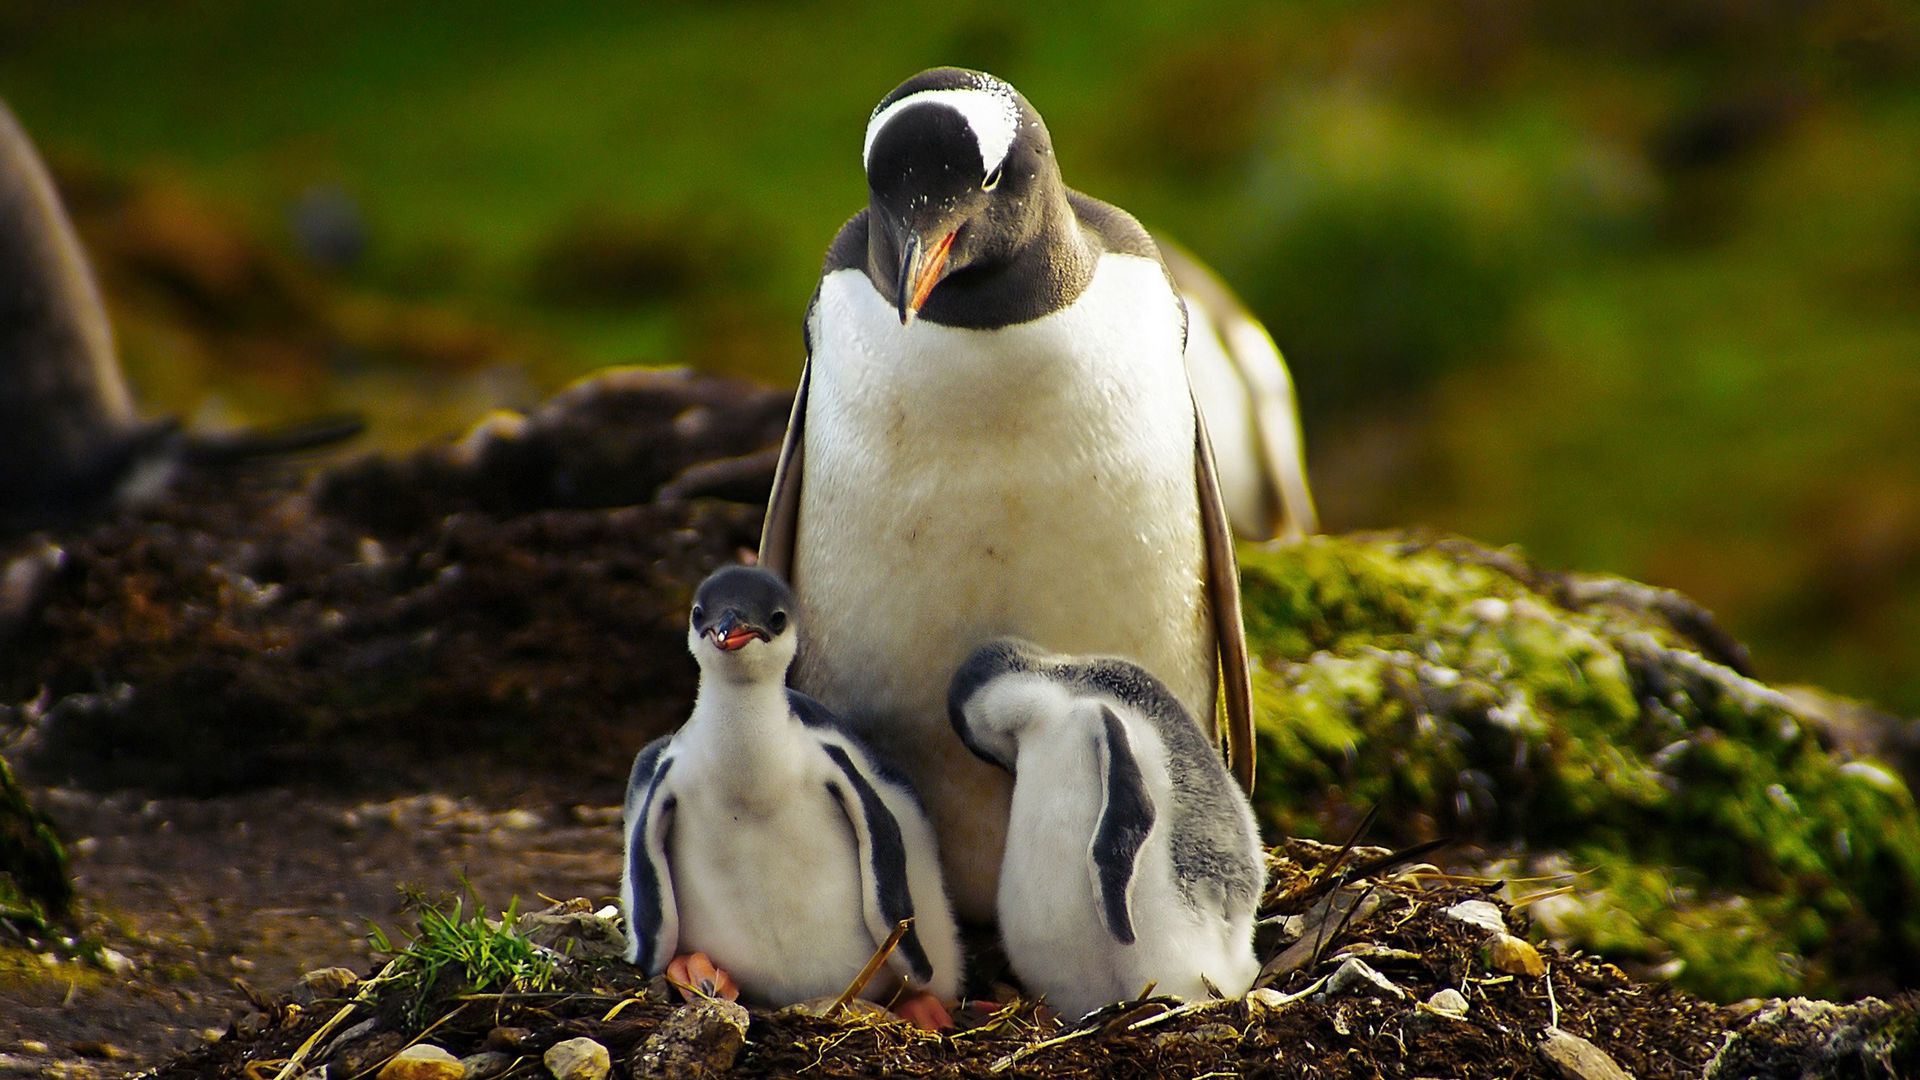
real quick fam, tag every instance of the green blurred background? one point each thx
(1635, 285)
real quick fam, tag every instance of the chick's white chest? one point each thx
(736, 854)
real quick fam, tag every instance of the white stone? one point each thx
(1357, 977)
(423, 1061)
(577, 1059)
(1481, 913)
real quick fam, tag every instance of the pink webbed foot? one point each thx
(923, 1010)
(695, 974)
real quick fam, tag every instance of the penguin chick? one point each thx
(765, 844)
(1132, 857)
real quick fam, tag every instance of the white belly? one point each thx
(733, 882)
(961, 485)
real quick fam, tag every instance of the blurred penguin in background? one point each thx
(68, 434)
(71, 443)
(1246, 395)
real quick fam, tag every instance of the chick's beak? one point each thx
(732, 632)
(921, 268)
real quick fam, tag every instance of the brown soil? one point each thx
(484, 632)
(202, 894)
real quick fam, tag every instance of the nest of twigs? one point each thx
(1318, 1014)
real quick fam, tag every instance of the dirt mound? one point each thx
(521, 592)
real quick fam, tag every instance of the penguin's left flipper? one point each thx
(1126, 819)
(1223, 598)
(886, 899)
(653, 920)
(778, 532)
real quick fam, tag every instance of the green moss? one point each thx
(23, 967)
(35, 884)
(1467, 694)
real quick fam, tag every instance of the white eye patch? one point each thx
(991, 113)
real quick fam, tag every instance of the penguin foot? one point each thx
(694, 974)
(923, 1010)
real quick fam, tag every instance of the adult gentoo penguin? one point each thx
(994, 435)
(1246, 396)
(70, 440)
(68, 433)
(766, 846)
(1131, 856)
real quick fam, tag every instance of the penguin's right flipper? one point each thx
(778, 532)
(646, 892)
(1126, 818)
(886, 897)
(1223, 597)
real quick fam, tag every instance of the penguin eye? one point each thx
(993, 178)
(699, 613)
(778, 624)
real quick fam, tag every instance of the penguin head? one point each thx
(998, 695)
(960, 171)
(742, 625)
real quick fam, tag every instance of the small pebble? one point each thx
(699, 1040)
(365, 1054)
(1203, 1033)
(1516, 956)
(423, 1061)
(577, 1059)
(1448, 1002)
(487, 1064)
(1577, 1059)
(1490, 609)
(1357, 977)
(321, 984)
(1264, 998)
(507, 1038)
(1481, 913)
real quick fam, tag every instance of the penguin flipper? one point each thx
(886, 898)
(1126, 818)
(778, 532)
(1223, 596)
(646, 886)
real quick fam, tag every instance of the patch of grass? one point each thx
(453, 953)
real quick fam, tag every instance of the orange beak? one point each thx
(920, 270)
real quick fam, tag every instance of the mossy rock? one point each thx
(1586, 725)
(35, 884)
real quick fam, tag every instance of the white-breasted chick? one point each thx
(1132, 857)
(766, 845)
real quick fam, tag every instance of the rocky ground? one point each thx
(257, 707)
